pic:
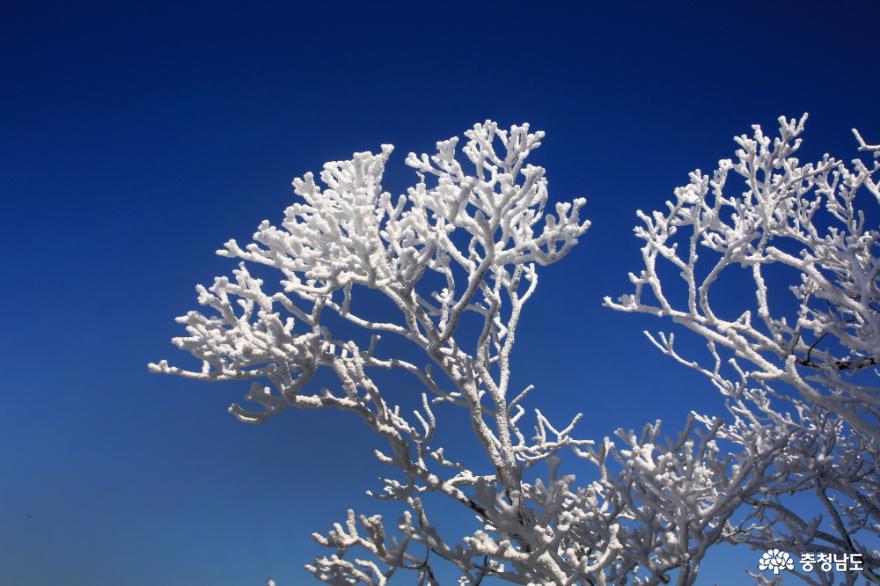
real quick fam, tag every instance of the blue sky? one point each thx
(136, 138)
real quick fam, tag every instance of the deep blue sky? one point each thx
(136, 138)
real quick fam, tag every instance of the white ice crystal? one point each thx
(465, 244)
(797, 365)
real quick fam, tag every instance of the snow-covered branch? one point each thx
(799, 363)
(460, 241)
(464, 245)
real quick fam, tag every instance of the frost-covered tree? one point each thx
(463, 246)
(798, 364)
(481, 233)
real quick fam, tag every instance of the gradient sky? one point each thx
(135, 138)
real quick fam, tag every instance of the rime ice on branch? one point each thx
(800, 390)
(483, 229)
(799, 375)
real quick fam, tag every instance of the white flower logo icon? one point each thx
(776, 560)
